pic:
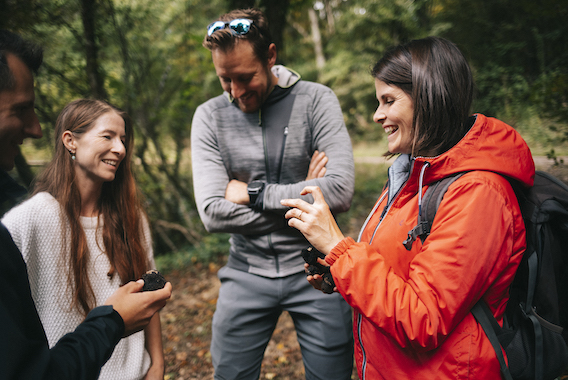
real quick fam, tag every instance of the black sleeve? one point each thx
(24, 351)
(82, 353)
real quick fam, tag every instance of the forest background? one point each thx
(146, 57)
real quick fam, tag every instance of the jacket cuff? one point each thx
(109, 312)
(339, 250)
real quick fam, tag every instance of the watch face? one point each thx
(255, 186)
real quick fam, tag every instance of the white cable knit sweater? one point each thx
(35, 226)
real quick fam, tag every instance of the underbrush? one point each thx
(212, 248)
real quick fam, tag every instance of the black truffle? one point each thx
(153, 280)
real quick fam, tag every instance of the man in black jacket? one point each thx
(24, 351)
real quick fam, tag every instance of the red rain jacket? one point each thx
(412, 308)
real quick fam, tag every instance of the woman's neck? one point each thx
(90, 200)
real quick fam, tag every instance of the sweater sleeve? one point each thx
(329, 135)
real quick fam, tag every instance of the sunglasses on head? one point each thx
(238, 26)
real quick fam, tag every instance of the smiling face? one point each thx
(395, 112)
(99, 151)
(244, 76)
(18, 119)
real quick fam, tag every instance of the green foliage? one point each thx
(362, 31)
(212, 248)
(369, 181)
(152, 65)
(518, 51)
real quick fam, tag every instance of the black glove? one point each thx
(310, 256)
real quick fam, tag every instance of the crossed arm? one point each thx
(237, 190)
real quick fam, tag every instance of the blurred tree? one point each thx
(519, 51)
(351, 36)
(89, 18)
(146, 57)
(15, 15)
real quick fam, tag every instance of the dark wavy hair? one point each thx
(28, 52)
(119, 203)
(259, 34)
(438, 79)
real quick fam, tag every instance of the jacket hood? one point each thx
(286, 80)
(489, 145)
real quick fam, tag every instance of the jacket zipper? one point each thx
(267, 168)
(277, 262)
(360, 339)
(384, 212)
(282, 153)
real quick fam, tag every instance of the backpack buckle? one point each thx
(421, 230)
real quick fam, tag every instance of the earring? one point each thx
(72, 154)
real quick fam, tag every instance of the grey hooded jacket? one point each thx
(227, 144)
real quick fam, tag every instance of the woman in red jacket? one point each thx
(412, 307)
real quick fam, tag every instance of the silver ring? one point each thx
(300, 216)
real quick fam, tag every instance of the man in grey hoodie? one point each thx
(267, 137)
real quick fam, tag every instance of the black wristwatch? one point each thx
(254, 190)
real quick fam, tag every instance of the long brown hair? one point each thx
(438, 79)
(119, 203)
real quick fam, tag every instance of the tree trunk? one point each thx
(276, 12)
(94, 77)
(316, 38)
(241, 4)
(330, 18)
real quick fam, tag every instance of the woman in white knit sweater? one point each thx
(84, 233)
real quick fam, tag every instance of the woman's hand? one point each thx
(314, 221)
(136, 307)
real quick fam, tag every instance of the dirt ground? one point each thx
(186, 330)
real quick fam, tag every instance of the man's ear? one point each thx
(272, 55)
(69, 141)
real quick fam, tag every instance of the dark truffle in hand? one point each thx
(153, 280)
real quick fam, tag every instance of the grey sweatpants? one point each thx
(247, 312)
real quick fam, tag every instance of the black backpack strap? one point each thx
(532, 264)
(430, 203)
(487, 321)
(529, 311)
